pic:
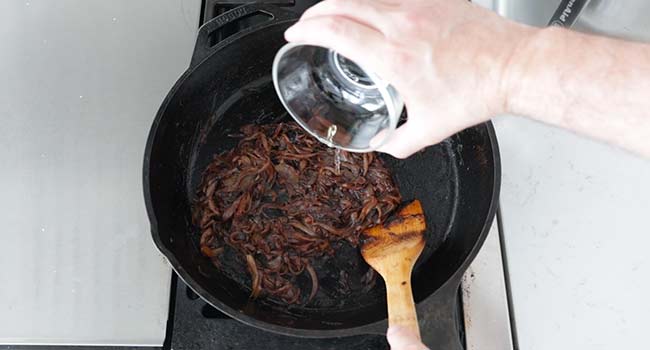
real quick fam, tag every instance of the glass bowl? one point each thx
(334, 99)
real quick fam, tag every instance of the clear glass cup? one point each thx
(334, 99)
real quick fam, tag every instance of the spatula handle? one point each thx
(401, 307)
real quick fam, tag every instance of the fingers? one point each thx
(401, 338)
(363, 11)
(406, 140)
(350, 38)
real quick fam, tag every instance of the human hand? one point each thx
(447, 58)
(401, 338)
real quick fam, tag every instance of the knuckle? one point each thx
(413, 17)
(400, 56)
(330, 24)
(410, 21)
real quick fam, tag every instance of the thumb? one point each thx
(401, 338)
(405, 140)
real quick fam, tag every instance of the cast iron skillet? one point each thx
(229, 85)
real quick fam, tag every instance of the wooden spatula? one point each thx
(392, 250)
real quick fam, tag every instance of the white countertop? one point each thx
(575, 221)
(576, 227)
(81, 83)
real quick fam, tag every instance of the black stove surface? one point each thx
(197, 325)
(213, 8)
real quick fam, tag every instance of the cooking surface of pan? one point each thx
(431, 176)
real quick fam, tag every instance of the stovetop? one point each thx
(197, 325)
(134, 299)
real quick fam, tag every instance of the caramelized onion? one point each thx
(277, 201)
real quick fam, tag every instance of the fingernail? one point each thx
(394, 330)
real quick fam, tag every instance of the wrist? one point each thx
(529, 71)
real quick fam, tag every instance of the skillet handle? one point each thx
(207, 39)
(441, 327)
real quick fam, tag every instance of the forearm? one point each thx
(592, 85)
